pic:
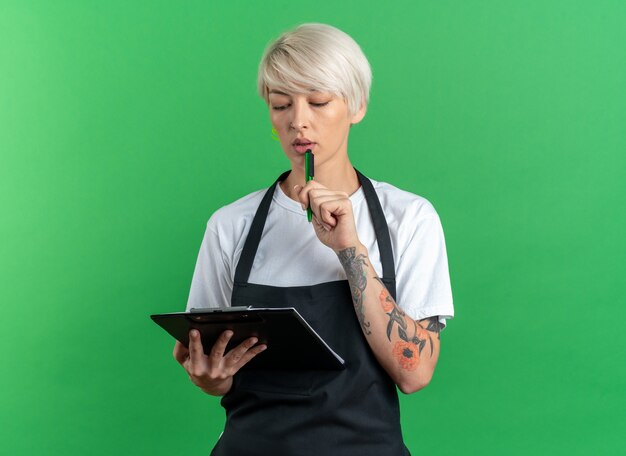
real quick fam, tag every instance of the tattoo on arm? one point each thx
(433, 325)
(396, 315)
(357, 277)
(407, 350)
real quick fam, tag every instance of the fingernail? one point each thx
(303, 206)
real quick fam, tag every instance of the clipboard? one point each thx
(291, 342)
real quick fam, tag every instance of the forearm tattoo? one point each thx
(407, 350)
(357, 277)
(433, 325)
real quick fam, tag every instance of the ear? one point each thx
(358, 116)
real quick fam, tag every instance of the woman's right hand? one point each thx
(213, 373)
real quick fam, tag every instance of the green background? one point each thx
(125, 124)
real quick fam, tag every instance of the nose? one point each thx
(300, 117)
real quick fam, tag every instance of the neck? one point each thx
(332, 175)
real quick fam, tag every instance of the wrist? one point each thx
(359, 249)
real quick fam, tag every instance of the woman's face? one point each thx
(319, 121)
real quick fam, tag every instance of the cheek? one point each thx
(275, 116)
(279, 124)
(337, 127)
(337, 120)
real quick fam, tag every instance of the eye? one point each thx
(319, 105)
(280, 108)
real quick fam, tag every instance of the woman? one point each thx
(367, 239)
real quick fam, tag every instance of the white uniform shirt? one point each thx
(290, 254)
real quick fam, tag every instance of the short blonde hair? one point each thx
(316, 57)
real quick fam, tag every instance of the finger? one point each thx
(196, 351)
(331, 210)
(331, 202)
(247, 357)
(181, 353)
(318, 226)
(317, 218)
(302, 196)
(324, 192)
(237, 353)
(219, 347)
(303, 192)
(314, 184)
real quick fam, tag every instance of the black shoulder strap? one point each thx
(382, 233)
(244, 266)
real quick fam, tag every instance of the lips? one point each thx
(301, 145)
(302, 142)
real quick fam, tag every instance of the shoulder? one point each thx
(411, 218)
(401, 205)
(423, 280)
(237, 215)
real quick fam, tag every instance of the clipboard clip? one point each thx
(219, 310)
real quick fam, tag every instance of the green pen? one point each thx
(309, 172)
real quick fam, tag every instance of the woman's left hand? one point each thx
(333, 219)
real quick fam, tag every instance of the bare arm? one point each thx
(407, 349)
